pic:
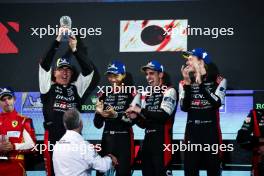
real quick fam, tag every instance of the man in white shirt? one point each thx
(73, 156)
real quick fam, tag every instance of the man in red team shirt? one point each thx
(17, 136)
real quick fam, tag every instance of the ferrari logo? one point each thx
(14, 123)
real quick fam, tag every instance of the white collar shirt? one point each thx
(73, 156)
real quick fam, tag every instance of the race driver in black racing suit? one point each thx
(118, 137)
(58, 91)
(251, 137)
(202, 93)
(155, 112)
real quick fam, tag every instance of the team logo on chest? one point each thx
(14, 123)
(70, 91)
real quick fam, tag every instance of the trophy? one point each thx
(65, 21)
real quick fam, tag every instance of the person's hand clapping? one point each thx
(109, 112)
(198, 76)
(185, 70)
(130, 113)
(62, 31)
(73, 43)
(99, 106)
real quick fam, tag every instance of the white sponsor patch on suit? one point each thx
(13, 134)
(247, 120)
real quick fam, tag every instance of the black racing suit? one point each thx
(56, 99)
(202, 103)
(157, 117)
(251, 136)
(118, 137)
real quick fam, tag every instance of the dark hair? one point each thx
(128, 80)
(212, 71)
(167, 79)
(71, 119)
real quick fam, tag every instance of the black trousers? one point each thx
(120, 145)
(206, 135)
(154, 159)
(194, 161)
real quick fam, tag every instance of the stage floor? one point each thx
(176, 173)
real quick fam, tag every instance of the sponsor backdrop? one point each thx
(132, 32)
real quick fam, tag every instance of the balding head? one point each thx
(72, 119)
